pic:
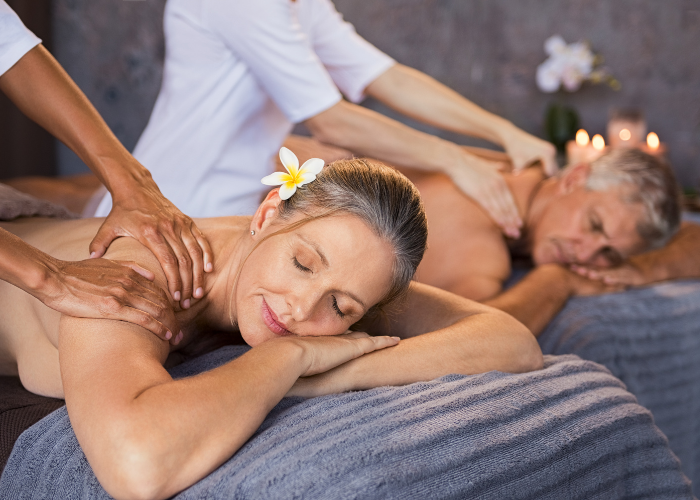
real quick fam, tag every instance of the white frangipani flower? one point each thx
(296, 177)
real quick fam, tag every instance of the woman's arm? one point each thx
(443, 334)
(95, 288)
(148, 436)
(44, 92)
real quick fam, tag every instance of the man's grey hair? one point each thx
(646, 180)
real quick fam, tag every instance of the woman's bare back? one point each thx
(29, 329)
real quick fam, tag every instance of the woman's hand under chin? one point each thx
(323, 353)
(326, 354)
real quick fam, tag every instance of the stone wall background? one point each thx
(488, 50)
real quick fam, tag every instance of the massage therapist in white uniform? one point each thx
(96, 288)
(239, 74)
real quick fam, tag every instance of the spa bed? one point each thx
(650, 339)
(568, 431)
(571, 430)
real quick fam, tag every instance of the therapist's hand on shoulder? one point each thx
(525, 149)
(480, 179)
(105, 289)
(143, 213)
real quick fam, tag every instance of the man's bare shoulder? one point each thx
(467, 253)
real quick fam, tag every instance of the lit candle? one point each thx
(582, 138)
(626, 128)
(654, 146)
(577, 151)
(598, 143)
(653, 141)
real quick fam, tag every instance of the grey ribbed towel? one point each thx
(569, 431)
(650, 339)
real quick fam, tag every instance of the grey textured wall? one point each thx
(114, 51)
(486, 49)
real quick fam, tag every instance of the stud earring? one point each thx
(252, 233)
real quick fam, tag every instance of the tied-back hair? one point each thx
(380, 196)
(650, 182)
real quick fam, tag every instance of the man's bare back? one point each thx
(467, 253)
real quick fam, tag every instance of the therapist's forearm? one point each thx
(423, 98)
(370, 134)
(43, 91)
(23, 265)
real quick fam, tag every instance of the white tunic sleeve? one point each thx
(267, 36)
(15, 39)
(352, 61)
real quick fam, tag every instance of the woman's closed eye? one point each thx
(340, 313)
(299, 266)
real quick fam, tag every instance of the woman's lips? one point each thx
(271, 321)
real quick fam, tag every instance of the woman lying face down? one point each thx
(291, 280)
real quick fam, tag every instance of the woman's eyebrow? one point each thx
(315, 247)
(353, 297)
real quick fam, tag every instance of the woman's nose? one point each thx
(303, 304)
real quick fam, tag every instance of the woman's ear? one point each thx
(266, 211)
(574, 177)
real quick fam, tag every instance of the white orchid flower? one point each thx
(295, 176)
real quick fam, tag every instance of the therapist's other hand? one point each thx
(105, 289)
(525, 149)
(178, 244)
(480, 180)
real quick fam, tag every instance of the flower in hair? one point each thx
(295, 176)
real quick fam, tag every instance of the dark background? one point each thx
(25, 148)
(486, 49)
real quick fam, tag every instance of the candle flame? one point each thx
(625, 134)
(598, 142)
(653, 140)
(582, 138)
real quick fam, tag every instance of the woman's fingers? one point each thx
(327, 352)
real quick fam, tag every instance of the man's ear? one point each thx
(266, 211)
(575, 177)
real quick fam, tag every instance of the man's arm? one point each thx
(443, 334)
(44, 92)
(423, 98)
(540, 295)
(679, 259)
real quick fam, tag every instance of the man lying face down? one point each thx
(590, 218)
